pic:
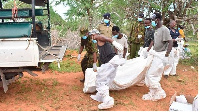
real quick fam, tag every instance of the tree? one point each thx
(123, 12)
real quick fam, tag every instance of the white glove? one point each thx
(120, 55)
(140, 51)
(145, 54)
(165, 61)
(178, 39)
(79, 57)
(118, 46)
(94, 67)
(139, 36)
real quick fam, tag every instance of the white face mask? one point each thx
(153, 23)
(94, 41)
(106, 21)
(147, 27)
(140, 19)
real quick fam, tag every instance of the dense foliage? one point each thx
(124, 12)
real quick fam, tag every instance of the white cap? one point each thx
(94, 31)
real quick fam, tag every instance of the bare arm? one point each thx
(102, 38)
(125, 51)
(151, 44)
(169, 47)
(81, 49)
(95, 57)
(115, 50)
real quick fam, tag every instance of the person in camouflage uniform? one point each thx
(105, 28)
(136, 39)
(89, 59)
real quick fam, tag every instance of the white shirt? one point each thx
(122, 41)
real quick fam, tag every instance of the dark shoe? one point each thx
(82, 80)
(166, 76)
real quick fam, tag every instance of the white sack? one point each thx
(132, 72)
(90, 80)
(176, 106)
(195, 104)
(129, 74)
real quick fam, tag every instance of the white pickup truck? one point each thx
(26, 45)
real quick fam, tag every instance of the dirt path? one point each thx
(54, 91)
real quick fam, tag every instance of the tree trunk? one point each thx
(187, 6)
(193, 29)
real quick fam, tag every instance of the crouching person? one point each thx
(162, 45)
(107, 72)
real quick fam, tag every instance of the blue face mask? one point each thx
(178, 28)
(84, 37)
(147, 27)
(153, 23)
(94, 41)
(139, 19)
(115, 36)
(106, 21)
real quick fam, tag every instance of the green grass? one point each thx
(131, 103)
(66, 66)
(76, 88)
(189, 35)
(193, 60)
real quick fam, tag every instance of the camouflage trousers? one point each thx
(134, 48)
(87, 62)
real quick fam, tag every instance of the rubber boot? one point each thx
(150, 95)
(159, 94)
(108, 102)
(97, 98)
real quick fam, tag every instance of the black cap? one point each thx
(181, 26)
(106, 15)
(156, 16)
(141, 15)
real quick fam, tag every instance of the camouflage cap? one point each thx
(83, 30)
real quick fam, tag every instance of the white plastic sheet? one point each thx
(129, 74)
